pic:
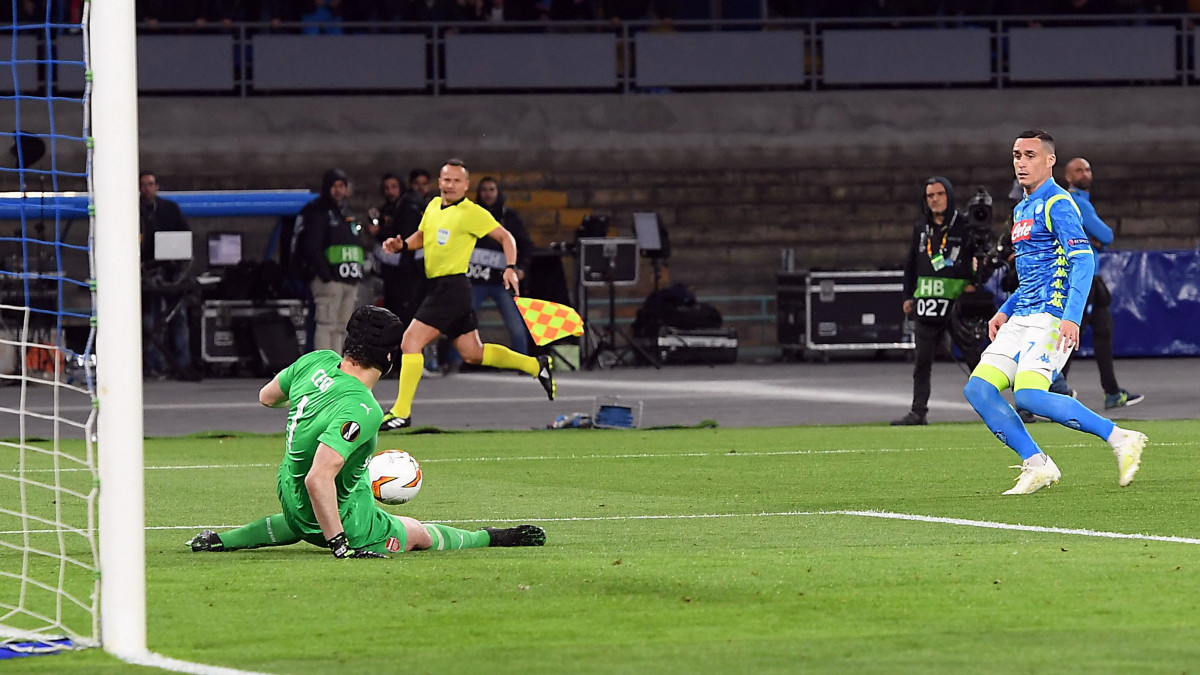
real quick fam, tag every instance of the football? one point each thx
(395, 476)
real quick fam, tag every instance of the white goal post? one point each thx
(113, 115)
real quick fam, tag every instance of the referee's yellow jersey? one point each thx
(451, 233)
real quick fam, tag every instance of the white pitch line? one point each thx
(538, 458)
(153, 660)
(1010, 526)
(753, 389)
(986, 524)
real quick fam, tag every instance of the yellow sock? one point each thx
(411, 367)
(499, 356)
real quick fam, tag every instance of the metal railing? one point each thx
(643, 57)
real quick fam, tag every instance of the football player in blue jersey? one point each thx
(1037, 328)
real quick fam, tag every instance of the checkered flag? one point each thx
(549, 321)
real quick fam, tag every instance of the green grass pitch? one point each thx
(695, 550)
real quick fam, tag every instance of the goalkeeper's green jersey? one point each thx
(331, 407)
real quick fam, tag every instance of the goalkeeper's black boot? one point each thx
(521, 535)
(545, 375)
(206, 541)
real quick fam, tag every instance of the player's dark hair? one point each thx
(386, 177)
(415, 174)
(1040, 135)
(146, 172)
(372, 336)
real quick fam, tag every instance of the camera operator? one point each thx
(165, 315)
(939, 267)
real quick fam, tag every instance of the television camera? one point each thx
(972, 311)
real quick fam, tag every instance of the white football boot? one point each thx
(1034, 478)
(1127, 446)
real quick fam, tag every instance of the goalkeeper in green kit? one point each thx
(331, 433)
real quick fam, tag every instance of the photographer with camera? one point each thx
(939, 268)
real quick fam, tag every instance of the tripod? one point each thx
(608, 340)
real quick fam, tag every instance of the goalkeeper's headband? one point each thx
(374, 333)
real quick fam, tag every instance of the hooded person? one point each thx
(327, 253)
(486, 270)
(938, 268)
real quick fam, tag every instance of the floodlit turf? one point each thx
(638, 575)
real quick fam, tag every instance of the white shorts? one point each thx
(1027, 344)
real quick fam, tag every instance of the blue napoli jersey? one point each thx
(1054, 256)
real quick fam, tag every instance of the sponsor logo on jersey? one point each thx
(350, 431)
(1022, 229)
(393, 544)
(443, 236)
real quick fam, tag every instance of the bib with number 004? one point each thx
(934, 295)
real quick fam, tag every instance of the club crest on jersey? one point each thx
(350, 431)
(393, 544)
(443, 236)
(1022, 229)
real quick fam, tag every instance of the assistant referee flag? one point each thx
(549, 321)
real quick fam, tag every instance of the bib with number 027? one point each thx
(934, 295)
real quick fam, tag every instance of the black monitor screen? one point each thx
(224, 249)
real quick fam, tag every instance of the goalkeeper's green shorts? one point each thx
(368, 527)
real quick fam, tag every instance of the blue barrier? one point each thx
(225, 203)
(1155, 305)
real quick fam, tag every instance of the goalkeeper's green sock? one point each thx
(499, 356)
(446, 537)
(269, 531)
(411, 367)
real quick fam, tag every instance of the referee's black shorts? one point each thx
(447, 306)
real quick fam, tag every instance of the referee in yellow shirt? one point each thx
(448, 232)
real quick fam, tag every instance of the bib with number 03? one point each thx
(934, 295)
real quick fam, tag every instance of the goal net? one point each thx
(52, 507)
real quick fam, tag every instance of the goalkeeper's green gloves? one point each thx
(341, 549)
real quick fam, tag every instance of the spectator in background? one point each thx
(620, 11)
(156, 214)
(518, 10)
(486, 270)
(804, 9)
(1096, 312)
(572, 10)
(880, 9)
(411, 210)
(429, 10)
(327, 252)
(1085, 7)
(322, 17)
(274, 12)
(403, 275)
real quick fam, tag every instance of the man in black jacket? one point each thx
(156, 214)
(938, 269)
(328, 254)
